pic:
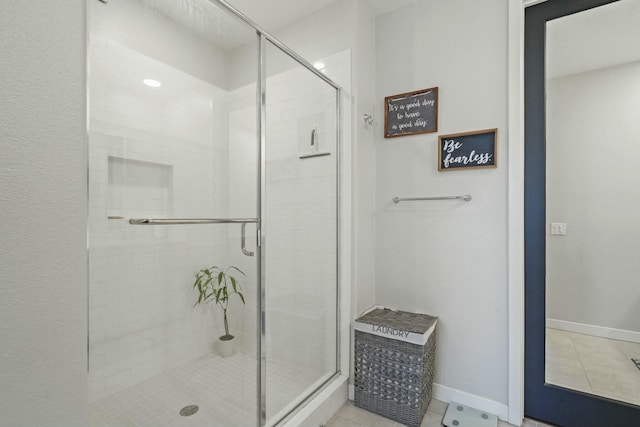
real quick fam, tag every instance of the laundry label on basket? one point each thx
(390, 331)
(394, 333)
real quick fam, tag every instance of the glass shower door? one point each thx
(172, 139)
(300, 233)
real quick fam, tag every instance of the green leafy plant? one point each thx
(217, 284)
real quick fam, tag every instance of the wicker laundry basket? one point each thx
(395, 363)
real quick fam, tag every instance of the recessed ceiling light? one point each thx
(319, 66)
(152, 83)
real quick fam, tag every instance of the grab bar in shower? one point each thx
(174, 221)
(466, 198)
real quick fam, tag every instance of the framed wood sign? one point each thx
(411, 113)
(468, 150)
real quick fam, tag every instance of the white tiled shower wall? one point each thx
(299, 228)
(170, 157)
(300, 223)
(167, 154)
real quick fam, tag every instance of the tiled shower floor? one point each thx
(223, 388)
(225, 391)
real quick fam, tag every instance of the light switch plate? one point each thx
(558, 228)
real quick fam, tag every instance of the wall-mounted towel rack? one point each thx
(466, 198)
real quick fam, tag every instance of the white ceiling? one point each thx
(601, 37)
(205, 18)
(275, 14)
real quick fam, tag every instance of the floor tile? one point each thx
(438, 407)
(615, 385)
(630, 349)
(559, 338)
(564, 376)
(352, 416)
(361, 417)
(562, 358)
(597, 365)
(337, 421)
(431, 419)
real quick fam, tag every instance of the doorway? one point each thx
(555, 154)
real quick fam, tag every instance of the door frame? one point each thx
(541, 401)
(516, 209)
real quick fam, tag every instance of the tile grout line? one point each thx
(584, 371)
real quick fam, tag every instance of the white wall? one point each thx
(43, 274)
(145, 30)
(447, 258)
(349, 24)
(472, 357)
(593, 186)
(364, 176)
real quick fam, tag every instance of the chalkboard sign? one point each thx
(411, 113)
(468, 150)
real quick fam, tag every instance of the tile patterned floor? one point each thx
(593, 365)
(586, 363)
(351, 416)
(223, 388)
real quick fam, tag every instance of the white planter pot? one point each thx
(226, 347)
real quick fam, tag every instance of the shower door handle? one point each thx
(242, 241)
(176, 221)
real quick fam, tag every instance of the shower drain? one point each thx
(189, 410)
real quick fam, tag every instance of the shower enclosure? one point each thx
(210, 144)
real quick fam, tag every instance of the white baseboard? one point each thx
(448, 394)
(594, 330)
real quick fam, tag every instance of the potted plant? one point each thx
(217, 284)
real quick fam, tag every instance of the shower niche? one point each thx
(139, 188)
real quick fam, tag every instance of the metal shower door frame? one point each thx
(262, 138)
(262, 38)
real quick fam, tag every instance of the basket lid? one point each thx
(417, 323)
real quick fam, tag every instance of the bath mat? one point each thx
(636, 361)
(459, 415)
